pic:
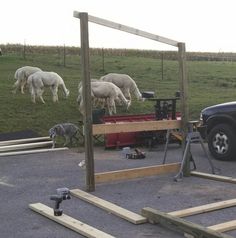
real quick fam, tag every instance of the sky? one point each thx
(203, 25)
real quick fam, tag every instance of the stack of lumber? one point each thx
(27, 146)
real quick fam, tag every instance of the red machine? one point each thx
(129, 138)
(164, 109)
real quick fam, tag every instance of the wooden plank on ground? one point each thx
(25, 152)
(122, 127)
(136, 172)
(69, 222)
(214, 177)
(110, 207)
(25, 146)
(226, 226)
(222, 227)
(181, 225)
(21, 141)
(204, 208)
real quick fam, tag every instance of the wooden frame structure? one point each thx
(84, 19)
(174, 221)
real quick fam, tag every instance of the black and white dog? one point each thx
(66, 130)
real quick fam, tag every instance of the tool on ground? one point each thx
(62, 194)
(137, 155)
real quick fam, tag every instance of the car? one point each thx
(220, 123)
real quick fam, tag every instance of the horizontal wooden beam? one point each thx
(221, 227)
(21, 141)
(25, 146)
(123, 127)
(204, 208)
(214, 177)
(128, 29)
(180, 225)
(110, 207)
(136, 172)
(69, 222)
(25, 152)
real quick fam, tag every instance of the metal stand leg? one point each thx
(180, 173)
(213, 168)
(166, 145)
(193, 137)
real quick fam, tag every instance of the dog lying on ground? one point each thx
(66, 130)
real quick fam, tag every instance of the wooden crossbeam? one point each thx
(128, 29)
(204, 208)
(25, 146)
(21, 141)
(110, 207)
(180, 225)
(69, 222)
(136, 172)
(25, 152)
(213, 177)
(122, 127)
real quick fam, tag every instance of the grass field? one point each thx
(210, 82)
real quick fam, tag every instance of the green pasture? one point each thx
(210, 82)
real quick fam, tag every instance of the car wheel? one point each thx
(221, 142)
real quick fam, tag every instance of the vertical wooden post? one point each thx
(184, 107)
(103, 62)
(162, 66)
(24, 50)
(64, 56)
(89, 156)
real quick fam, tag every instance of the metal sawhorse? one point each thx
(193, 136)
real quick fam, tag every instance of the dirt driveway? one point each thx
(27, 179)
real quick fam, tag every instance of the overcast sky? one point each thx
(204, 25)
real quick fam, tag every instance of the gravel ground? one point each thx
(26, 179)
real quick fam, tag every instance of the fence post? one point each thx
(162, 65)
(24, 50)
(103, 63)
(64, 56)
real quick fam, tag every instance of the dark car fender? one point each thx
(220, 119)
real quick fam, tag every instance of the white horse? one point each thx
(39, 80)
(105, 91)
(125, 83)
(21, 76)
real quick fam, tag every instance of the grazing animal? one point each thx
(39, 80)
(125, 83)
(104, 90)
(21, 76)
(66, 130)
